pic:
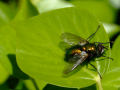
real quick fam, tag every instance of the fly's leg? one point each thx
(96, 70)
(105, 42)
(105, 58)
(108, 57)
(91, 36)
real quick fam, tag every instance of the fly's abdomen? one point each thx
(72, 55)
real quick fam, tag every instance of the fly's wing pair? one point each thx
(71, 40)
(82, 57)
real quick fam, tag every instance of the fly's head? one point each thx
(100, 49)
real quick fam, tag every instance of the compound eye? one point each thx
(102, 50)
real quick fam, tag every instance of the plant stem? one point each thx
(98, 81)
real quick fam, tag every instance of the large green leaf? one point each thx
(8, 52)
(101, 9)
(112, 77)
(7, 46)
(38, 51)
(8, 63)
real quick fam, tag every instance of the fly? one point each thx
(80, 50)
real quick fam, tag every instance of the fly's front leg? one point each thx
(91, 36)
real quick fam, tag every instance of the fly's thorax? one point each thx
(89, 48)
(83, 43)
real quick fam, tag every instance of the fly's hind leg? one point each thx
(96, 70)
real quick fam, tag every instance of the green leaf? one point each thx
(48, 5)
(21, 86)
(112, 77)
(40, 84)
(15, 68)
(92, 87)
(101, 9)
(54, 87)
(115, 3)
(26, 10)
(35, 84)
(4, 74)
(38, 51)
(8, 52)
(6, 14)
(29, 84)
(111, 29)
(7, 46)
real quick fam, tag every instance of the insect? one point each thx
(81, 50)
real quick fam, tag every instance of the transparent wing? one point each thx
(72, 39)
(81, 59)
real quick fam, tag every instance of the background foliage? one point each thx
(30, 55)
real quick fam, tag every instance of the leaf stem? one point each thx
(98, 81)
